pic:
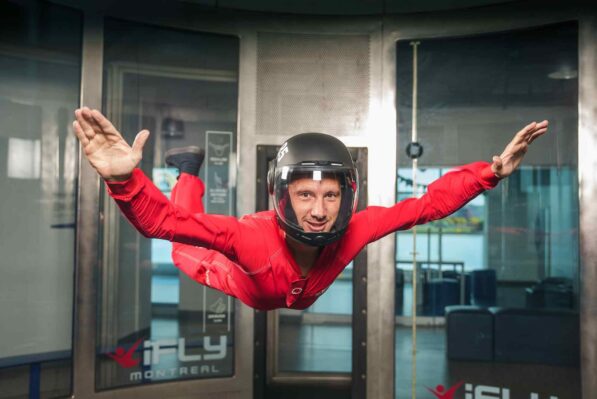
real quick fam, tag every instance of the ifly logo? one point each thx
(125, 357)
(478, 392)
(490, 392)
(440, 391)
(154, 350)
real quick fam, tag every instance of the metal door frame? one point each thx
(88, 262)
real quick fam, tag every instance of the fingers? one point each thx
(94, 126)
(532, 131)
(542, 124)
(496, 166)
(82, 119)
(538, 133)
(540, 129)
(80, 134)
(527, 129)
(139, 142)
(523, 134)
(103, 122)
(91, 120)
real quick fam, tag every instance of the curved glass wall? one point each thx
(497, 281)
(155, 323)
(40, 62)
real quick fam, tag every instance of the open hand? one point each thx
(104, 146)
(505, 164)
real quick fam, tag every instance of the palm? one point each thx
(104, 146)
(110, 155)
(515, 151)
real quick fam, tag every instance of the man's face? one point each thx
(316, 203)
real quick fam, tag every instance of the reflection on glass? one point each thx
(497, 281)
(40, 60)
(155, 323)
(446, 248)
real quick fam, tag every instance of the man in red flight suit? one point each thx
(289, 256)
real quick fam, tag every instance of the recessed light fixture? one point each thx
(172, 128)
(564, 72)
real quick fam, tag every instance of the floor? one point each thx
(326, 347)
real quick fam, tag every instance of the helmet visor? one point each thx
(315, 199)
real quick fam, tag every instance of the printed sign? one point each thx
(175, 358)
(216, 312)
(218, 147)
(217, 307)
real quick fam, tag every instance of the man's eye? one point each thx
(332, 195)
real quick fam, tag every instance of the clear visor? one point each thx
(315, 199)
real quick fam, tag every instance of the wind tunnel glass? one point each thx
(155, 324)
(315, 199)
(496, 284)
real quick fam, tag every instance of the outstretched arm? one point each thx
(453, 190)
(143, 204)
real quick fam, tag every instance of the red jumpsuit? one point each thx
(248, 258)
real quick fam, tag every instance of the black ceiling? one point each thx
(346, 7)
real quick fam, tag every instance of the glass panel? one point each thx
(507, 263)
(156, 324)
(40, 62)
(319, 339)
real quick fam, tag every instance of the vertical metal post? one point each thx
(359, 295)
(587, 164)
(414, 230)
(86, 259)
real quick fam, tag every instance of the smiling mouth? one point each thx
(316, 227)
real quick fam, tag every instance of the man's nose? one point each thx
(318, 209)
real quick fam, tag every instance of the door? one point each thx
(155, 324)
(319, 352)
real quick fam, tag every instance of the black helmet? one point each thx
(310, 163)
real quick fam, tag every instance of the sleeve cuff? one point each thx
(126, 190)
(488, 178)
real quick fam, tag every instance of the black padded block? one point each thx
(536, 336)
(437, 294)
(484, 287)
(469, 333)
